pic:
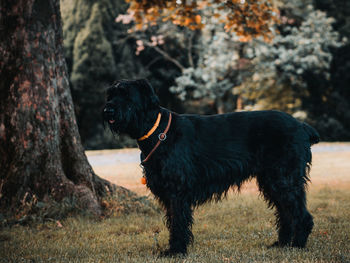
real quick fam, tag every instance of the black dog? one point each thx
(191, 159)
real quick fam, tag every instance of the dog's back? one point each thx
(224, 150)
(244, 134)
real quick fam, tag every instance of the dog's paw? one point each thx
(277, 245)
(172, 253)
(273, 245)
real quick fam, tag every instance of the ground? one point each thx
(235, 230)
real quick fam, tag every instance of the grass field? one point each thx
(237, 229)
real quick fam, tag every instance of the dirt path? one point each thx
(331, 167)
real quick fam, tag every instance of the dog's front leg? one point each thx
(179, 222)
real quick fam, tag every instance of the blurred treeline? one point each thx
(303, 70)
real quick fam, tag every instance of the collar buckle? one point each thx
(162, 136)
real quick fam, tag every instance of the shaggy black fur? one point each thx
(204, 156)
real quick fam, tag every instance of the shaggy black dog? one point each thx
(191, 159)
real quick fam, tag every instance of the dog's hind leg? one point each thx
(179, 222)
(304, 220)
(284, 220)
(286, 192)
(303, 229)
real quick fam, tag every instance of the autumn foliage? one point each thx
(247, 18)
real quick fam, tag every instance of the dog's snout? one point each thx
(109, 111)
(109, 114)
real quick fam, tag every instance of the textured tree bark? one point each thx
(40, 150)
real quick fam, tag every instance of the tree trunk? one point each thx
(40, 149)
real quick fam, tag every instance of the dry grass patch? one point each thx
(237, 229)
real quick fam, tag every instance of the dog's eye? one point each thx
(122, 93)
(116, 92)
(110, 93)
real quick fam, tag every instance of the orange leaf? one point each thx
(138, 26)
(187, 21)
(198, 19)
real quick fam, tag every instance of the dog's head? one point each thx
(128, 102)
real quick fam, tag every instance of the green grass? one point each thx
(235, 230)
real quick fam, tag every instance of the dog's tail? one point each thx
(313, 134)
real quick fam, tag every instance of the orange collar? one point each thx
(151, 131)
(161, 137)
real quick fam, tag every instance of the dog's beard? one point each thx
(112, 124)
(122, 122)
(113, 128)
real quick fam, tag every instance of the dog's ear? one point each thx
(119, 87)
(151, 99)
(111, 90)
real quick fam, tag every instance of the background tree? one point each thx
(98, 52)
(281, 68)
(294, 71)
(334, 123)
(207, 60)
(178, 44)
(90, 31)
(215, 71)
(247, 18)
(42, 157)
(96, 55)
